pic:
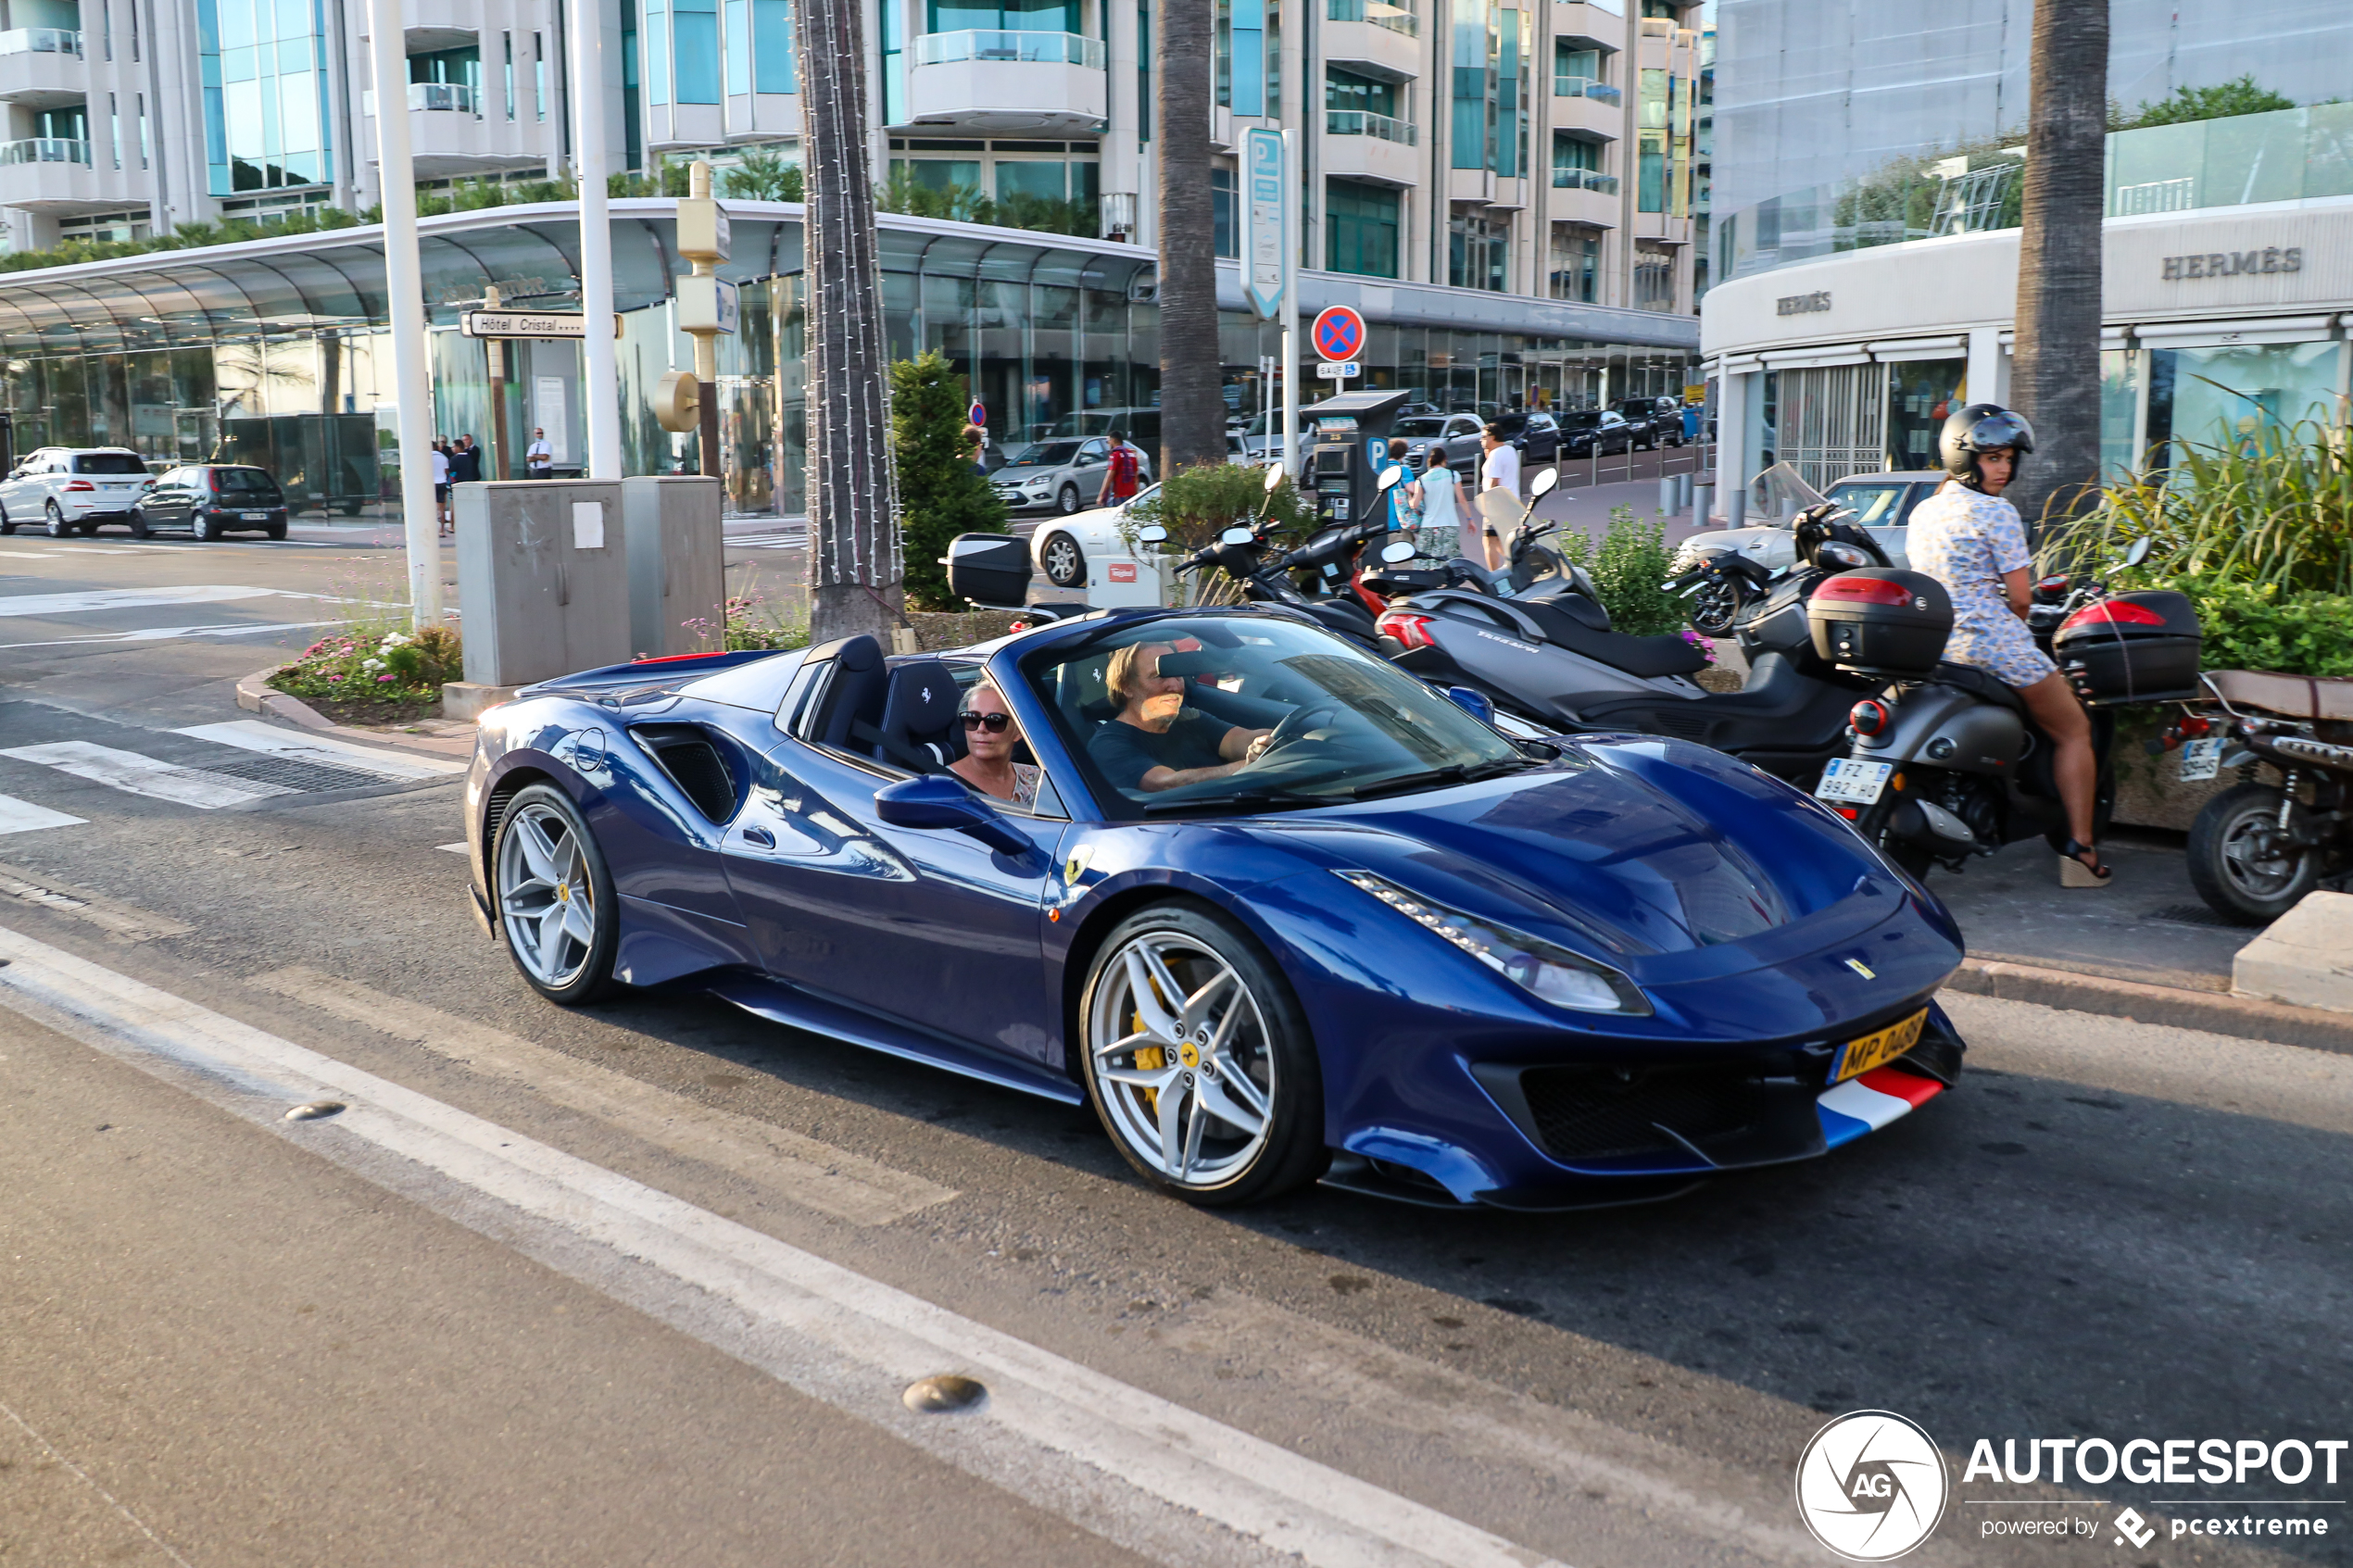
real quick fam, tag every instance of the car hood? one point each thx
(1676, 864)
(1026, 471)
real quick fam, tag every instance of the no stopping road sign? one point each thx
(1338, 333)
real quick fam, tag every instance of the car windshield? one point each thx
(1874, 504)
(1343, 725)
(1581, 418)
(1046, 454)
(1418, 428)
(108, 462)
(251, 481)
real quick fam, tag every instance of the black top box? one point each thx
(988, 568)
(2131, 648)
(1882, 620)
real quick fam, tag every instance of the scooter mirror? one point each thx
(1392, 475)
(2139, 552)
(1152, 534)
(1237, 536)
(1542, 483)
(1275, 477)
(1398, 553)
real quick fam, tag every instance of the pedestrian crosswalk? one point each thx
(23, 816)
(785, 537)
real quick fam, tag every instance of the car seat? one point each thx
(920, 728)
(853, 697)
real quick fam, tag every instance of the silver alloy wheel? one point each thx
(545, 895)
(1068, 501)
(1066, 567)
(1182, 1059)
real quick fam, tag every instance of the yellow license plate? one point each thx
(1878, 1050)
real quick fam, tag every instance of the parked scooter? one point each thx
(2283, 829)
(1947, 762)
(1244, 554)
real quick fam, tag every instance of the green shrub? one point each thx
(763, 175)
(1198, 504)
(2261, 628)
(376, 667)
(2273, 507)
(1627, 566)
(941, 493)
(750, 621)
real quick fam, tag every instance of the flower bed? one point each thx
(377, 676)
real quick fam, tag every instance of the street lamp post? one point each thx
(405, 282)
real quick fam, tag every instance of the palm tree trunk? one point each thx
(1192, 411)
(853, 504)
(2056, 373)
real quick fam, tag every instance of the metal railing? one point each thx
(1363, 122)
(41, 41)
(1397, 19)
(1586, 87)
(1658, 26)
(1584, 180)
(45, 149)
(1025, 48)
(453, 97)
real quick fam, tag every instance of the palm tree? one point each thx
(2055, 377)
(853, 504)
(1192, 408)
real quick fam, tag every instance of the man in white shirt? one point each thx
(539, 459)
(1499, 471)
(441, 485)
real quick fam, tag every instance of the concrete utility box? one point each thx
(677, 564)
(543, 579)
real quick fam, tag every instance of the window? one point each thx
(1473, 79)
(1143, 70)
(261, 65)
(1360, 229)
(773, 69)
(738, 40)
(1575, 264)
(143, 131)
(114, 128)
(1010, 15)
(695, 40)
(1570, 64)
(508, 76)
(1225, 200)
(539, 76)
(1478, 250)
(1653, 279)
(1346, 89)
(1248, 48)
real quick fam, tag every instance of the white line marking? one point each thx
(164, 633)
(23, 816)
(138, 1524)
(26, 555)
(136, 774)
(458, 848)
(110, 548)
(1052, 1431)
(82, 603)
(252, 735)
(815, 1175)
(123, 923)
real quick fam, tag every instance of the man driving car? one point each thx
(1156, 743)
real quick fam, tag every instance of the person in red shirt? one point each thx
(1120, 476)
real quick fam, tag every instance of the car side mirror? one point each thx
(1472, 702)
(938, 802)
(1542, 483)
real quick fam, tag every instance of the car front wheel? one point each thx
(138, 529)
(555, 897)
(7, 524)
(1198, 1062)
(1067, 502)
(1065, 562)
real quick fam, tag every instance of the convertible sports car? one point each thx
(1357, 933)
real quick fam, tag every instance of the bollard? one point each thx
(1670, 491)
(1702, 501)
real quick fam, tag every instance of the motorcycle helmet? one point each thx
(1981, 427)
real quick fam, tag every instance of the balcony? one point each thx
(1584, 180)
(454, 132)
(981, 81)
(1586, 87)
(1372, 147)
(1592, 111)
(1372, 38)
(40, 67)
(54, 174)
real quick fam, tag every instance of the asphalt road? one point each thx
(642, 1284)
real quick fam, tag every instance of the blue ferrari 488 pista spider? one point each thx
(1275, 907)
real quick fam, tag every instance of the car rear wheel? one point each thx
(204, 525)
(1199, 1060)
(555, 897)
(1066, 500)
(277, 531)
(1065, 562)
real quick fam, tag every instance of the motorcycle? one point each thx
(2260, 846)
(1244, 553)
(1946, 762)
(1554, 660)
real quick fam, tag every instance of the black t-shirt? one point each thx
(1126, 753)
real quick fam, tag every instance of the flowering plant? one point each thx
(374, 668)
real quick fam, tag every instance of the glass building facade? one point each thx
(263, 68)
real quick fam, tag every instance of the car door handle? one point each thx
(759, 836)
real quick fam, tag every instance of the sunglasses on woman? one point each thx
(993, 722)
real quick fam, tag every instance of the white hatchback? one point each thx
(72, 489)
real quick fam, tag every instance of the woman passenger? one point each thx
(988, 763)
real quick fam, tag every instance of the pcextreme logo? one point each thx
(1871, 1485)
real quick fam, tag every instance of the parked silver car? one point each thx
(1061, 476)
(1881, 503)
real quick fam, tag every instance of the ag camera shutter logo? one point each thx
(1871, 1485)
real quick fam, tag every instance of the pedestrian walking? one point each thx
(465, 462)
(1120, 473)
(441, 485)
(1405, 499)
(1438, 496)
(538, 459)
(1499, 471)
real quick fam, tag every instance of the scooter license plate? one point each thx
(2202, 758)
(1855, 782)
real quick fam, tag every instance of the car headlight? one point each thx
(1045, 483)
(1544, 970)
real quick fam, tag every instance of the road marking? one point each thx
(122, 922)
(814, 1174)
(84, 1477)
(23, 816)
(82, 603)
(136, 774)
(108, 550)
(1118, 1461)
(461, 848)
(162, 633)
(253, 735)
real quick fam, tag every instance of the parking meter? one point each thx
(1349, 451)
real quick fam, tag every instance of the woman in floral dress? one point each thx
(1974, 543)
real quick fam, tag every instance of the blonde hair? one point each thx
(1125, 674)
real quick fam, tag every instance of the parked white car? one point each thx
(72, 489)
(1883, 505)
(1061, 475)
(1085, 554)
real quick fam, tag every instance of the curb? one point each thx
(256, 695)
(2216, 1013)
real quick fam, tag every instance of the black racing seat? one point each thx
(853, 697)
(1645, 657)
(1981, 684)
(1779, 710)
(920, 728)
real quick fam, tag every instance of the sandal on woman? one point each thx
(2076, 872)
